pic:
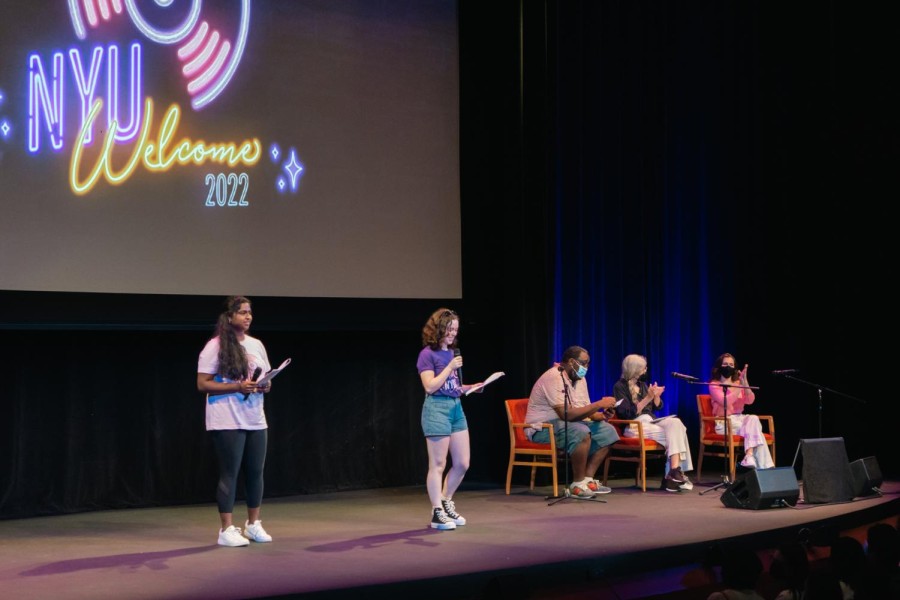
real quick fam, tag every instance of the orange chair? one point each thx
(522, 451)
(633, 449)
(723, 444)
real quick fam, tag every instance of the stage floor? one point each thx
(326, 544)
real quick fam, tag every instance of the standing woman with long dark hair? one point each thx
(227, 371)
(443, 421)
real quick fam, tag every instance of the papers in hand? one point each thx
(271, 374)
(662, 418)
(478, 386)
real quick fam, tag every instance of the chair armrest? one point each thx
(536, 426)
(770, 429)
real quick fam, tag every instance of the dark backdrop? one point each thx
(673, 179)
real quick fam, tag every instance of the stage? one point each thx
(331, 545)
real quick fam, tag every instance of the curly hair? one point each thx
(436, 328)
(715, 370)
(232, 359)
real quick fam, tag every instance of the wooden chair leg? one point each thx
(731, 460)
(533, 472)
(700, 462)
(555, 479)
(509, 473)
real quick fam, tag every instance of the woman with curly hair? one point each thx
(227, 371)
(443, 421)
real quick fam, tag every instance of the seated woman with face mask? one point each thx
(640, 401)
(756, 452)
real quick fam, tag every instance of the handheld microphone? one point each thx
(255, 376)
(785, 371)
(456, 353)
(685, 377)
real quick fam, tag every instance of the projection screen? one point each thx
(281, 147)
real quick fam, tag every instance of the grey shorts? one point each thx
(442, 415)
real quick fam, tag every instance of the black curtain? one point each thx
(716, 170)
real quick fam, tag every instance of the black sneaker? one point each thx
(450, 511)
(670, 484)
(440, 520)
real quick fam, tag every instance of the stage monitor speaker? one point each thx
(825, 470)
(763, 488)
(866, 476)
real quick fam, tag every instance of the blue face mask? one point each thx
(581, 371)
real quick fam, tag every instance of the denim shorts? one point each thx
(602, 434)
(442, 415)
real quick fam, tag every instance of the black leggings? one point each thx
(235, 447)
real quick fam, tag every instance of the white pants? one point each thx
(749, 428)
(669, 432)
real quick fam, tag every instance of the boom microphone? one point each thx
(685, 377)
(785, 371)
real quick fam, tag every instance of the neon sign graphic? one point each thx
(209, 71)
(128, 142)
(158, 156)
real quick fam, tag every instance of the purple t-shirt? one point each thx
(437, 361)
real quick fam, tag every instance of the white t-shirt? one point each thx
(547, 394)
(234, 410)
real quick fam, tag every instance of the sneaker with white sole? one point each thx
(749, 462)
(683, 482)
(440, 520)
(597, 487)
(581, 491)
(672, 481)
(255, 532)
(450, 511)
(232, 537)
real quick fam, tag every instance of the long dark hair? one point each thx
(718, 364)
(232, 359)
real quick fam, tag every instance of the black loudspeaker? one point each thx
(826, 470)
(866, 476)
(764, 488)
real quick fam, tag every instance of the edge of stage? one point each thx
(378, 542)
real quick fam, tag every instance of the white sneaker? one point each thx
(749, 462)
(256, 532)
(232, 537)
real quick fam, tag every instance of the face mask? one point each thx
(726, 371)
(581, 371)
(644, 377)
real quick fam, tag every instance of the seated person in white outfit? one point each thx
(756, 451)
(640, 402)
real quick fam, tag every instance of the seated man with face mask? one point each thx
(589, 436)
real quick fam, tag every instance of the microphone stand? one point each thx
(726, 479)
(820, 389)
(567, 493)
